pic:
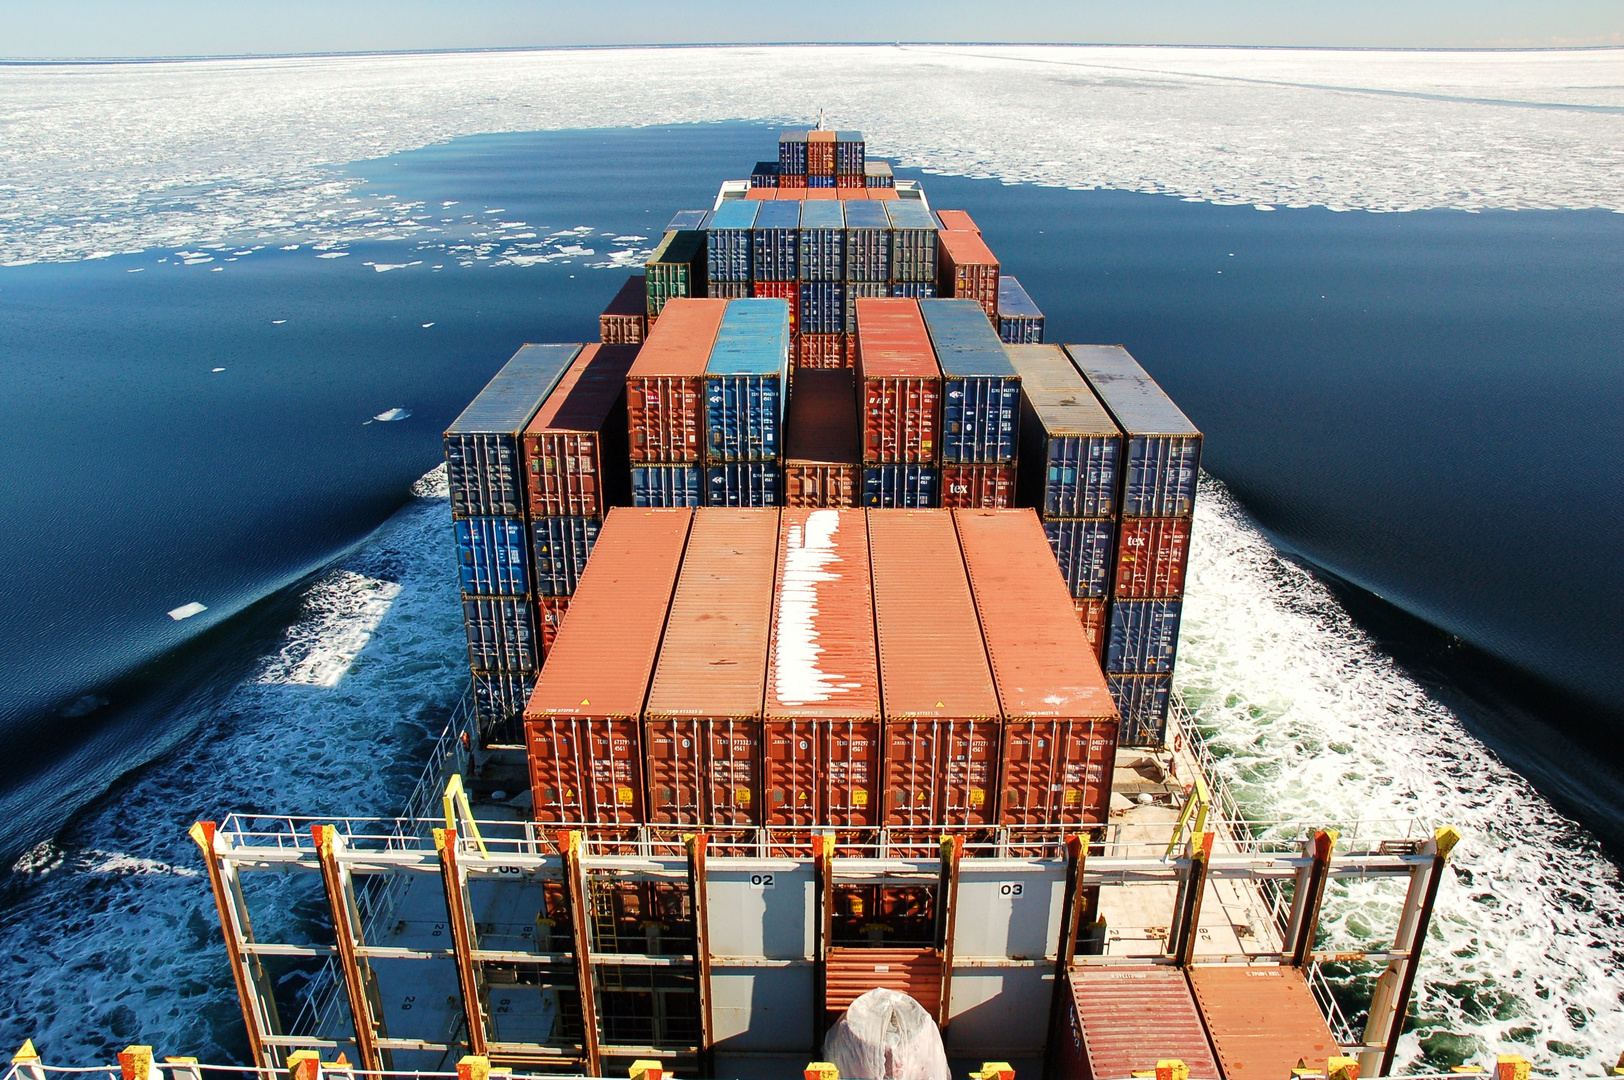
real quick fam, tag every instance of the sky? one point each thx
(37, 29)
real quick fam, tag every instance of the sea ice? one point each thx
(186, 611)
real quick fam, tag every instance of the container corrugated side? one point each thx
(1144, 637)
(493, 556)
(560, 548)
(753, 483)
(981, 390)
(820, 155)
(745, 383)
(665, 390)
(484, 464)
(822, 451)
(1124, 1019)
(978, 487)
(1071, 449)
(911, 487)
(1082, 549)
(1262, 1020)
(575, 453)
(728, 241)
(899, 384)
(823, 241)
(667, 485)
(501, 633)
(1020, 322)
(913, 241)
(1142, 702)
(625, 320)
(675, 269)
(708, 688)
(936, 686)
(851, 155)
(583, 721)
(968, 270)
(775, 242)
(878, 174)
(764, 175)
(868, 243)
(1163, 458)
(792, 153)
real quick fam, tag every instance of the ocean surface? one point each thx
(1402, 598)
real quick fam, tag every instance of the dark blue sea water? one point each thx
(1423, 407)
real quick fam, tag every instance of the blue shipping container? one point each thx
(854, 291)
(820, 181)
(901, 486)
(1083, 550)
(775, 242)
(666, 485)
(1163, 447)
(850, 153)
(823, 307)
(752, 484)
(561, 546)
(1019, 320)
(765, 174)
(484, 466)
(744, 381)
(913, 290)
(913, 240)
(492, 556)
(499, 701)
(868, 241)
(1071, 450)
(823, 242)
(1079, 472)
(727, 240)
(1143, 638)
(1142, 702)
(688, 221)
(501, 633)
(981, 390)
(792, 153)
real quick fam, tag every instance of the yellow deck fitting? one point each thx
(473, 1067)
(821, 1070)
(1172, 1069)
(135, 1062)
(646, 1069)
(1341, 1068)
(1510, 1066)
(304, 1065)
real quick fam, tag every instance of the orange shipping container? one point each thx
(1262, 1020)
(814, 194)
(788, 291)
(957, 221)
(665, 391)
(553, 610)
(899, 384)
(761, 193)
(1152, 555)
(823, 680)
(625, 320)
(1091, 613)
(940, 704)
(794, 181)
(702, 723)
(582, 722)
(574, 459)
(821, 455)
(1060, 724)
(978, 487)
(967, 269)
(821, 351)
(820, 153)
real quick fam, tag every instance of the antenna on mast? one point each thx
(820, 120)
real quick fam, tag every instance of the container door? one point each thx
(676, 771)
(851, 755)
(792, 773)
(732, 782)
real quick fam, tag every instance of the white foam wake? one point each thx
(1314, 723)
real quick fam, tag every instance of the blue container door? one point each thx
(1083, 551)
(979, 420)
(774, 254)
(728, 254)
(491, 559)
(822, 308)
(1161, 476)
(900, 486)
(665, 485)
(1144, 637)
(914, 290)
(1142, 702)
(742, 417)
(483, 472)
(562, 546)
(1081, 480)
(501, 633)
(752, 484)
(499, 701)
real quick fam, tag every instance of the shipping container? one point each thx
(936, 688)
(625, 320)
(1142, 702)
(969, 271)
(499, 700)
(1060, 724)
(794, 183)
(821, 187)
(1144, 637)
(745, 382)
(676, 269)
(667, 486)
(1082, 549)
(981, 390)
(754, 483)
(851, 187)
(688, 221)
(483, 460)
(775, 242)
(1122, 1020)
(1163, 457)
(787, 291)
(493, 555)
(764, 175)
(823, 307)
(868, 243)
(702, 721)
(850, 153)
(822, 454)
(822, 242)
(899, 384)
(728, 241)
(822, 351)
(1071, 449)
(823, 681)
(583, 722)
(910, 487)
(957, 221)
(549, 617)
(1091, 613)
(1152, 555)
(880, 193)
(727, 290)
(978, 487)
(501, 633)
(861, 290)
(575, 454)
(792, 153)
(913, 241)
(820, 155)
(913, 290)
(761, 194)
(1020, 322)
(561, 546)
(1262, 1019)
(665, 392)
(878, 174)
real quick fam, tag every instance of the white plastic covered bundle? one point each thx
(886, 1035)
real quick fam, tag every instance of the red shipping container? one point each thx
(967, 269)
(978, 487)
(823, 679)
(783, 290)
(957, 221)
(1152, 555)
(1124, 1019)
(574, 461)
(761, 193)
(665, 392)
(796, 181)
(625, 320)
(813, 194)
(706, 694)
(1060, 724)
(882, 194)
(553, 609)
(848, 182)
(1091, 613)
(940, 703)
(583, 719)
(821, 452)
(899, 383)
(820, 153)
(821, 351)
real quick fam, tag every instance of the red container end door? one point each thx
(1057, 772)
(553, 609)
(970, 762)
(900, 383)
(978, 487)
(1091, 613)
(851, 761)
(557, 770)
(664, 391)
(791, 774)
(913, 773)
(615, 758)
(1152, 555)
(829, 486)
(733, 783)
(676, 771)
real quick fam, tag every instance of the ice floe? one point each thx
(186, 611)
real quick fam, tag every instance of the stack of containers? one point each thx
(877, 174)
(702, 723)
(775, 265)
(792, 159)
(728, 249)
(575, 470)
(820, 159)
(968, 269)
(822, 267)
(583, 723)
(1060, 726)
(822, 731)
(1019, 320)
(625, 320)
(940, 707)
(981, 405)
(746, 376)
(913, 249)
(485, 471)
(1071, 452)
(764, 175)
(899, 393)
(822, 455)
(676, 269)
(868, 262)
(850, 160)
(1160, 467)
(665, 399)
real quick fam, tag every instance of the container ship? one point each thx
(822, 621)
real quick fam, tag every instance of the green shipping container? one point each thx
(677, 268)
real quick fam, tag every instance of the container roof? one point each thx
(753, 339)
(823, 662)
(514, 394)
(1138, 404)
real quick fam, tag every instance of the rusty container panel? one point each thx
(582, 721)
(831, 486)
(901, 387)
(851, 973)
(665, 391)
(933, 666)
(978, 487)
(733, 779)
(675, 769)
(1152, 556)
(822, 351)
(1091, 613)
(1122, 1020)
(625, 320)
(574, 450)
(1262, 1020)
(553, 610)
